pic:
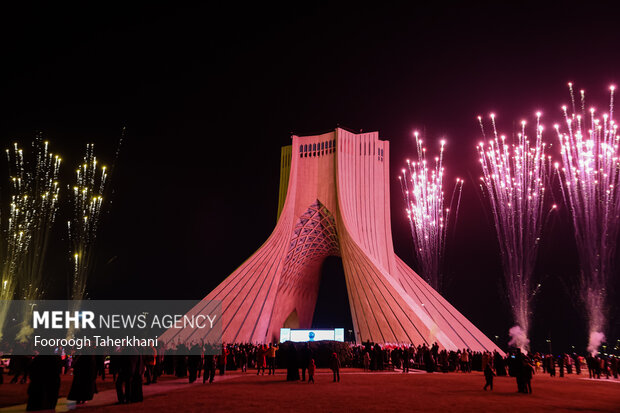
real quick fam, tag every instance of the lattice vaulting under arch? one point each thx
(334, 200)
(314, 239)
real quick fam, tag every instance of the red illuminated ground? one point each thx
(360, 391)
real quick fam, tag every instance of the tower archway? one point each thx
(332, 305)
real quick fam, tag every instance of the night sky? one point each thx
(209, 95)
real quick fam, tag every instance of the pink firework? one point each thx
(422, 187)
(589, 175)
(514, 179)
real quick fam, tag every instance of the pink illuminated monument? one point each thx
(334, 200)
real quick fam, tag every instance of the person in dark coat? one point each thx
(577, 364)
(113, 367)
(84, 384)
(193, 362)
(498, 362)
(129, 381)
(406, 360)
(243, 359)
(311, 370)
(528, 373)
(168, 364)
(517, 370)
(44, 383)
(334, 365)
(126, 366)
(377, 358)
(136, 381)
(19, 366)
(292, 365)
(488, 376)
(209, 366)
(180, 361)
(100, 366)
(428, 361)
(305, 357)
(551, 365)
(149, 358)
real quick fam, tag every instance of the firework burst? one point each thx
(589, 175)
(422, 188)
(87, 199)
(514, 178)
(33, 207)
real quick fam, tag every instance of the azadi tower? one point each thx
(334, 200)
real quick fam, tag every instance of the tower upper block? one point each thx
(335, 200)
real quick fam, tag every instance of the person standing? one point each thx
(243, 359)
(528, 373)
(517, 367)
(200, 358)
(125, 366)
(19, 366)
(406, 360)
(193, 362)
(577, 360)
(311, 370)
(113, 366)
(180, 360)
(149, 358)
(335, 366)
(136, 380)
(84, 386)
(261, 359)
(44, 383)
(498, 362)
(428, 360)
(209, 368)
(488, 376)
(614, 366)
(222, 359)
(292, 367)
(551, 366)
(465, 361)
(209, 365)
(271, 358)
(366, 360)
(485, 360)
(597, 367)
(100, 358)
(435, 352)
(305, 357)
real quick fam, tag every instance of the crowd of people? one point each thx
(130, 371)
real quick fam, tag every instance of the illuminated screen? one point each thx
(339, 334)
(300, 336)
(285, 335)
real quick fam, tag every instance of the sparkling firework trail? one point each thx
(33, 207)
(424, 197)
(589, 174)
(514, 178)
(87, 198)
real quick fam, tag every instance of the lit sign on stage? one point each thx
(287, 334)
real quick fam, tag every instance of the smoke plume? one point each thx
(518, 338)
(596, 339)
